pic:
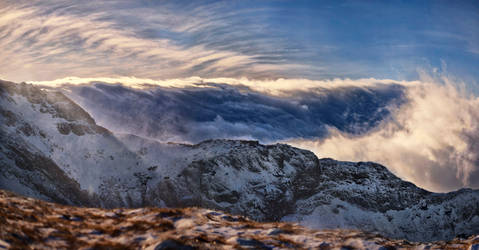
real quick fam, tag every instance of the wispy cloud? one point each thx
(45, 40)
(50, 41)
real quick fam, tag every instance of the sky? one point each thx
(48, 40)
(395, 82)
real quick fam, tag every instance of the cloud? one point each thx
(47, 41)
(425, 131)
(277, 87)
(195, 109)
(430, 140)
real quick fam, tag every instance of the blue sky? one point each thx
(255, 39)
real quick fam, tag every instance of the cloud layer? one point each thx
(431, 140)
(425, 131)
(181, 110)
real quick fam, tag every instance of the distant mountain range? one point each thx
(52, 149)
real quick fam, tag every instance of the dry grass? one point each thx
(29, 223)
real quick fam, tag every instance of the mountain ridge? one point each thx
(52, 149)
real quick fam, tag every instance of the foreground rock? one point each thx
(29, 223)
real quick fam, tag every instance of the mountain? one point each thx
(52, 149)
(29, 223)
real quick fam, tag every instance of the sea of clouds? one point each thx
(424, 131)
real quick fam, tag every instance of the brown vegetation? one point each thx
(30, 223)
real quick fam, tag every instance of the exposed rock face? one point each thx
(29, 223)
(41, 174)
(279, 182)
(52, 149)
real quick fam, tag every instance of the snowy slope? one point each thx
(52, 149)
(48, 127)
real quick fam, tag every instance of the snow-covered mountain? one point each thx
(52, 149)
